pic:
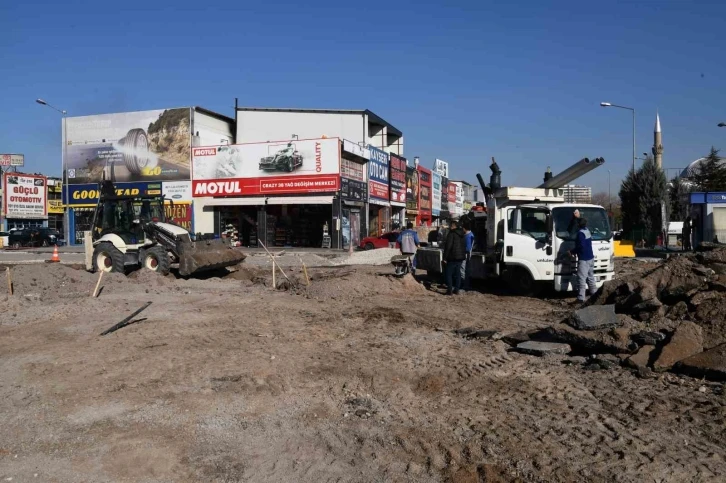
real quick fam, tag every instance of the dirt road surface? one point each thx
(357, 378)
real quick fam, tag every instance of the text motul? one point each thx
(212, 188)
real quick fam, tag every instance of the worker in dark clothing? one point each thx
(434, 236)
(585, 261)
(686, 234)
(454, 255)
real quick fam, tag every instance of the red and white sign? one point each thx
(287, 167)
(12, 160)
(25, 196)
(377, 190)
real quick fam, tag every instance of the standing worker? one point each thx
(408, 240)
(454, 255)
(585, 261)
(466, 264)
(686, 234)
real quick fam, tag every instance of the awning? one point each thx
(359, 204)
(373, 201)
(397, 204)
(235, 201)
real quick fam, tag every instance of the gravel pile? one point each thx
(380, 256)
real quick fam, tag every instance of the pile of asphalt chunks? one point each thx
(670, 318)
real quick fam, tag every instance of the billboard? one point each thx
(353, 190)
(435, 194)
(441, 167)
(451, 197)
(352, 170)
(458, 208)
(177, 191)
(55, 205)
(12, 159)
(87, 194)
(425, 190)
(139, 146)
(412, 191)
(287, 167)
(378, 175)
(445, 197)
(398, 181)
(25, 196)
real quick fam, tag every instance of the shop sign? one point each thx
(425, 190)
(454, 189)
(25, 196)
(177, 191)
(378, 174)
(435, 194)
(441, 167)
(357, 149)
(412, 190)
(290, 167)
(353, 190)
(12, 159)
(143, 146)
(87, 194)
(445, 197)
(716, 197)
(398, 180)
(352, 170)
(55, 207)
(179, 214)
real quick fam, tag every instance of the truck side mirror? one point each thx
(550, 224)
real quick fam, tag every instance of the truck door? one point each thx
(528, 242)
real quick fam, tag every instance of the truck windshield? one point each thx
(597, 222)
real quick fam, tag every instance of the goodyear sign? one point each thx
(87, 194)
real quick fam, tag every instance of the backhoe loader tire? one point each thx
(137, 156)
(108, 258)
(157, 260)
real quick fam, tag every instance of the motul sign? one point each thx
(217, 188)
(205, 151)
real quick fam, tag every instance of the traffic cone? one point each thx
(55, 258)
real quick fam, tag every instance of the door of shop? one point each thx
(351, 228)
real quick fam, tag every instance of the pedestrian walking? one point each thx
(408, 241)
(585, 261)
(454, 255)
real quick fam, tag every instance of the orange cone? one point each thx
(55, 258)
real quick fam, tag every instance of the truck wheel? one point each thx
(108, 258)
(520, 281)
(136, 154)
(157, 260)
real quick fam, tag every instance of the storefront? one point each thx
(55, 205)
(379, 206)
(282, 194)
(412, 194)
(424, 200)
(353, 193)
(398, 190)
(83, 199)
(708, 215)
(24, 201)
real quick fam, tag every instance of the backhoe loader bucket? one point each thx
(205, 255)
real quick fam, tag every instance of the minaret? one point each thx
(657, 143)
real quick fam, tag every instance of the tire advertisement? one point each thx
(25, 196)
(412, 191)
(398, 181)
(287, 167)
(144, 146)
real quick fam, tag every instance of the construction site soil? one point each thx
(358, 377)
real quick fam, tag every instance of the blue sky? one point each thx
(521, 81)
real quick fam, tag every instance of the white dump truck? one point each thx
(524, 235)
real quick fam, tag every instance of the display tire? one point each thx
(108, 258)
(157, 260)
(138, 159)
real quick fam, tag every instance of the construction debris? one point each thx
(595, 317)
(541, 348)
(710, 364)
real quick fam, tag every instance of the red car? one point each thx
(371, 242)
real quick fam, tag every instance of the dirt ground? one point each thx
(357, 378)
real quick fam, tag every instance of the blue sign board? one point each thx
(716, 197)
(378, 165)
(87, 194)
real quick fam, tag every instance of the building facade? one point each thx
(577, 194)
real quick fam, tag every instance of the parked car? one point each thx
(371, 242)
(33, 237)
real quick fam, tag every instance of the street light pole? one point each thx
(64, 175)
(608, 104)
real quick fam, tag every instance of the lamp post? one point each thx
(608, 104)
(64, 177)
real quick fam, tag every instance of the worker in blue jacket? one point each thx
(585, 261)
